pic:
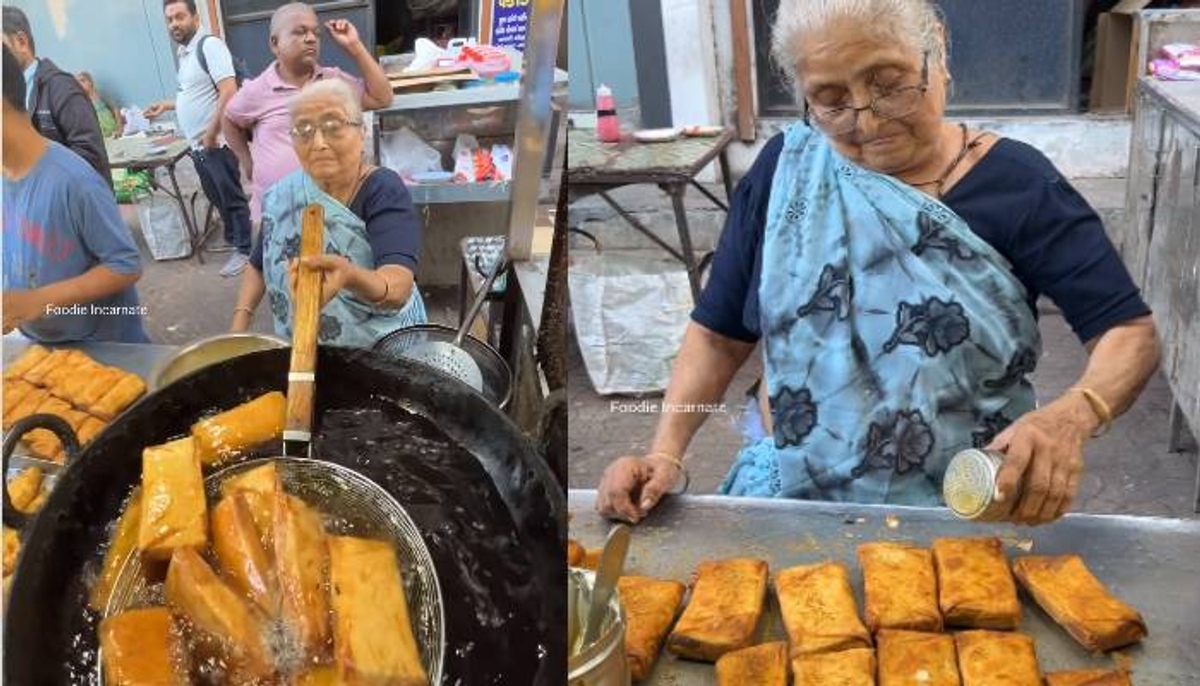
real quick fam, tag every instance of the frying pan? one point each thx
(490, 511)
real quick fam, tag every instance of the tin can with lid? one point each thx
(969, 485)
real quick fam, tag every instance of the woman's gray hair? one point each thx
(916, 24)
(322, 88)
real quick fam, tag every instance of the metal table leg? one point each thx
(188, 219)
(676, 192)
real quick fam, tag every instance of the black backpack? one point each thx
(240, 73)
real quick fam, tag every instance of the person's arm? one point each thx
(1062, 251)
(250, 294)
(156, 109)
(235, 123)
(377, 89)
(76, 119)
(226, 89)
(1044, 448)
(707, 361)
(99, 282)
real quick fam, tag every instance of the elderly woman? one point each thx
(888, 262)
(372, 234)
(110, 118)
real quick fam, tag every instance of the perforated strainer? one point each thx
(350, 505)
(454, 353)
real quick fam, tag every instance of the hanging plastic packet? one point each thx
(464, 158)
(502, 158)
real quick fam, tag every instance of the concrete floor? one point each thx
(1128, 471)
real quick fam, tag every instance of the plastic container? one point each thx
(608, 127)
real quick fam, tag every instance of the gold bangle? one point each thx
(678, 463)
(1099, 407)
(244, 308)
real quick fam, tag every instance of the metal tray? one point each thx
(1149, 562)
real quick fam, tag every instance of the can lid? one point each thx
(969, 483)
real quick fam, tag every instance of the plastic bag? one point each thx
(162, 226)
(630, 313)
(135, 121)
(405, 153)
(502, 158)
(464, 158)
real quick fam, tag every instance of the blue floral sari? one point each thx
(893, 336)
(345, 321)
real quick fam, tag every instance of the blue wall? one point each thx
(123, 43)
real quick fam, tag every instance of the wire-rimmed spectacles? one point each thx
(893, 104)
(331, 129)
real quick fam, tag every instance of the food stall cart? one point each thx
(1161, 240)
(1147, 561)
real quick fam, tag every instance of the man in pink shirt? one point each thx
(257, 122)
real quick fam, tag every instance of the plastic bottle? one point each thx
(608, 127)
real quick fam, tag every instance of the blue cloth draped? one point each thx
(345, 321)
(893, 336)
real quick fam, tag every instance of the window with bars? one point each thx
(1006, 56)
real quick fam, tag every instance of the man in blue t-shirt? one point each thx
(70, 264)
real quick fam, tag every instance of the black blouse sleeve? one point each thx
(393, 228)
(729, 303)
(1062, 250)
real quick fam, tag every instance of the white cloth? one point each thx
(196, 102)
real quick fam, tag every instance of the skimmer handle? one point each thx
(306, 312)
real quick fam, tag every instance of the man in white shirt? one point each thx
(207, 81)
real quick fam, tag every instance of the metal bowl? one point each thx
(209, 351)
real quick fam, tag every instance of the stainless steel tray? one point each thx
(1152, 563)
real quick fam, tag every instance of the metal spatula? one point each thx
(451, 358)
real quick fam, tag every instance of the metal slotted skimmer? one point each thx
(470, 361)
(350, 505)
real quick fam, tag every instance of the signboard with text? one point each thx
(505, 23)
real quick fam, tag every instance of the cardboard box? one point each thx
(1115, 71)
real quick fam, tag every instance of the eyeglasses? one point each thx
(331, 129)
(893, 104)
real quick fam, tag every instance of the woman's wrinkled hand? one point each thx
(336, 274)
(632, 486)
(1044, 459)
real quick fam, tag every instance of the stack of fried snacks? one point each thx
(1090, 677)
(762, 665)
(914, 657)
(1076, 599)
(71, 385)
(818, 608)
(975, 586)
(650, 608)
(990, 658)
(726, 605)
(900, 587)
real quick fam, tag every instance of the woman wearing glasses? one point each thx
(372, 234)
(889, 261)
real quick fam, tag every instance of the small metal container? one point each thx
(969, 485)
(603, 662)
(212, 350)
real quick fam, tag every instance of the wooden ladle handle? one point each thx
(306, 313)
